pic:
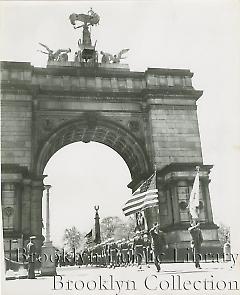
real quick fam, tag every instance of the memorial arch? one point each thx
(149, 118)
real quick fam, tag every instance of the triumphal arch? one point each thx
(149, 118)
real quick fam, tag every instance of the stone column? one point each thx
(174, 199)
(169, 205)
(26, 208)
(36, 211)
(48, 267)
(206, 197)
(47, 187)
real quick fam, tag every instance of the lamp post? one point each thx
(48, 267)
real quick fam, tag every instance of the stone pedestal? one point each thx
(48, 267)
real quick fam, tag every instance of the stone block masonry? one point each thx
(149, 118)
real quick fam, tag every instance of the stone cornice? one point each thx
(146, 85)
(14, 168)
(179, 167)
(144, 94)
(88, 92)
(185, 226)
(94, 70)
(15, 65)
(174, 91)
(87, 72)
(171, 72)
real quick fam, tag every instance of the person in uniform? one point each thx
(103, 254)
(158, 244)
(146, 249)
(94, 255)
(124, 253)
(138, 249)
(196, 242)
(31, 251)
(107, 252)
(85, 256)
(113, 253)
(131, 252)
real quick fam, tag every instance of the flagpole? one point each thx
(157, 209)
(155, 168)
(145, 219)
(198, 170)
(3, 267)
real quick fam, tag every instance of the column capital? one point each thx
(37, 181)
(47, 186)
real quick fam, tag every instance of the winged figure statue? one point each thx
(58, 55)
(116, 58)
(89, 19)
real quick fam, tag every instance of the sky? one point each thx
(202, 36)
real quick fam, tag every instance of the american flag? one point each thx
(89, 238)
(144, 197)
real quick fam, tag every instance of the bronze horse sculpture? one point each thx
(89, 19)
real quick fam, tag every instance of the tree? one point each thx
(114, 227)
(72, 238)
(223, 233)
(108, 226)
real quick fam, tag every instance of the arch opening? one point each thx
(92, 129)
(83, 176)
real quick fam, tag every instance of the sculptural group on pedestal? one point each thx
(58, 55)
(87, 52)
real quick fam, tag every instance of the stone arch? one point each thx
(88, 128)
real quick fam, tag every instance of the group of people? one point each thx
(123, 252)
(141, 250)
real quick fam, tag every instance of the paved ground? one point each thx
(101, 281)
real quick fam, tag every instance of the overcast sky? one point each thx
(202, 36)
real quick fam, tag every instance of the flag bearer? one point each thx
(146, 249)
(196, 242)
(138, 249)
(158, 244)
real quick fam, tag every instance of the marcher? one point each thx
(146, 249)
(85, 256)
(124, 252)
(131, 252)
(196, 242)
(138, 248)
(158, 244)
(113, 253)
(31, 251)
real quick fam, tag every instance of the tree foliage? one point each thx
(114, 227)
(111, 227)
(223, 233)
(72, 238)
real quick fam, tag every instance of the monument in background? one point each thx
(149, 118)
(97, 230)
